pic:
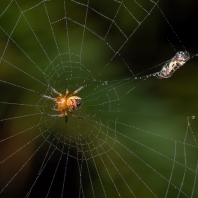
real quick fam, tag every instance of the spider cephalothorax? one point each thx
(64, 102)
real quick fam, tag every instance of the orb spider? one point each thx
(63, 102)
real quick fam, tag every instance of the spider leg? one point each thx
(77, 90)
(53, 116)
(47, 97)
(75, 116)
(57, 115)
(56, 109)
(65, 117)
(66, 93)
(54, 90)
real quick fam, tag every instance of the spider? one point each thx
(63, 102)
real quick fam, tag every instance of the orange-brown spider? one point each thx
(63, 102)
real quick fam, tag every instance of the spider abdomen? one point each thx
(74, 102)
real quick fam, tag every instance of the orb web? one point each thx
(140, 139)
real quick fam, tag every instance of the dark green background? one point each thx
(151, 120)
